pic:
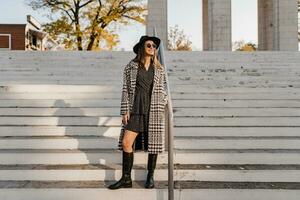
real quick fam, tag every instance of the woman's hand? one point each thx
(125, 118)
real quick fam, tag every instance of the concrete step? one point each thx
(30, 112)
(235, 112)
(192, 56)
(174, 78)
(231, 173)
(237, 121)
(192, 190)
(178, 131)
(58, 142)
(178, 112)
(175, 95)
(171, 56)
(280, 142)
(61, 103)
(56, 88)
(75, 67)
(183, 103)
(59, 131)
(223, 56)
(246, 83)
(231, 66)
(110, 89)
(236, 128)
(105, 156)
(172, 71)
(109, 68)
(100, 142)
(178, 121)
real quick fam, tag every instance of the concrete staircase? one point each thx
(237, 126)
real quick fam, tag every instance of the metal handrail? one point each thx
(170, 123)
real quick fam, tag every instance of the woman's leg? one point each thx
(127, 161)
(128, 139)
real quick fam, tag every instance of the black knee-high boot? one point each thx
(125, 181)
(152, 158)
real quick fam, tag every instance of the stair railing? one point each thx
(169, 122)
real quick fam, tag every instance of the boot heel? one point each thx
(128, 185)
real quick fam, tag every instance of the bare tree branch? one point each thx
(88, 2)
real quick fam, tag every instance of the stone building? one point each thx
(277, 24)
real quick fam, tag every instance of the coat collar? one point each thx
(157, 71)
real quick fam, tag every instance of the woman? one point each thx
(143, 101)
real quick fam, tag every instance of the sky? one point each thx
(244, 20)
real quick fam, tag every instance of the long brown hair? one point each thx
(140, 57)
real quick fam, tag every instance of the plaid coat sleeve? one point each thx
(125, 92)
(165, 88)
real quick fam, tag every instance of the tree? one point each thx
(177, 40)
(83, 24)
(242, 46)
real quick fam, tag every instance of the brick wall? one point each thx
(17, 32)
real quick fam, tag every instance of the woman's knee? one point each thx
(128, 140)
(126, 143)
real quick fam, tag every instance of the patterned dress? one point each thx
(139, 117)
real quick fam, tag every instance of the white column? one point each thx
(157, 17)
(217, 25)
(278, 25)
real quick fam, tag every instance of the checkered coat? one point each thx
(159, 99)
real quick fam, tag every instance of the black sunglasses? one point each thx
(149, 45)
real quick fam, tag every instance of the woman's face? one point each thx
(150, 47)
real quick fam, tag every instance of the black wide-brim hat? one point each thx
(144, 38)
